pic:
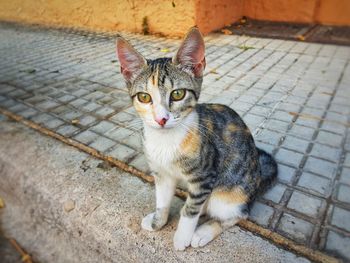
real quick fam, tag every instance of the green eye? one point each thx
(178, 94)
(144, 97)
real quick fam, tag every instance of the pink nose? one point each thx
(162, 121)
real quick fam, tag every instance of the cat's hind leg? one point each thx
(225, 208)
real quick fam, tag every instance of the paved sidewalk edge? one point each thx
(314, 255)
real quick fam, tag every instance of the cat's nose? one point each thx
(162, 121)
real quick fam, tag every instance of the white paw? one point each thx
(202, 236)
(182, 240)
(146, 223)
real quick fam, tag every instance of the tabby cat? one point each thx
(206, 145)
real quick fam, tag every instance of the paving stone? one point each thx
(123, 118)
(119, 133)
(48, 104)
(260, 213)
(91, 106)
(328, 138)
(295, 144)
(340, 218)
(326, 152)
(134, 141)
(102, 144)
(314, 182)
(71, 115)
(269, 137)
(275, 193)
(266, 147)
(286, 173)
(18, 107)
(86, 137)
(41, 118)
(343, 194)
(289, 157)
(305, 204)
(78, 102)
(345, 175)
(297, 228)
(333, 127)
(307, 121)
(53, 123)
(66, 98)
(338, 244)
(80, 92)
(87, 120)
(122, 152)
(276, 125)
(103, 112)
(28, 113)
(253, 121)
(60, 110)
(140, 162)
(347, 160)
(321, 167)
(67, 130)
(262, 111)
(302, 132)
(282, 116)
(103, 127)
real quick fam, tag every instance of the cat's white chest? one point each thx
(162, 149)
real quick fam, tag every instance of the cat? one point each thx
(206, 145)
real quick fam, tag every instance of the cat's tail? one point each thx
(268, 168)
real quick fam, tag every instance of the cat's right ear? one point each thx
(131, 61)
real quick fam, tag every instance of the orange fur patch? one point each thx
(232, 128)
(227, 135)
(218, 107)
(190, 145)
(142, 111)
(209, 126)
(233, 196)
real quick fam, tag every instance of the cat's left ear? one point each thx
(131, 61)
(191, 54)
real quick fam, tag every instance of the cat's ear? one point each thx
(131, 61)
(191, 54)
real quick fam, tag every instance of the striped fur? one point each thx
(207, 146)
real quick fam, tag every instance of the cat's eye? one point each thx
(178, 94)
(144, 97)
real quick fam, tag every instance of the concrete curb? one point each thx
(276, 238)
(62, 208)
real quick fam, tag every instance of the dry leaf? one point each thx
(75, 121)
(213, 71)
(300, 37)
(226, 32)
(2, 204)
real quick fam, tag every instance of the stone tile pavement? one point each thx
(294, 96)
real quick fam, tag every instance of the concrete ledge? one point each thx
(41, 178)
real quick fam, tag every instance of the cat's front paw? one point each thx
(156, 220)
(147, 222)
(182, 240)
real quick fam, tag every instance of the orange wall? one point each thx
(333, 12)
(280, 10)
(163, 16)
(171, 17)
(214, 14)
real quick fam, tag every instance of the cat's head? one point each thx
(165, 90)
